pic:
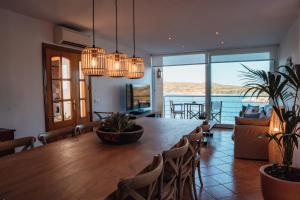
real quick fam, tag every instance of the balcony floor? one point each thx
(224, 177)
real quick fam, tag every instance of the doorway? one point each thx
(66, 90)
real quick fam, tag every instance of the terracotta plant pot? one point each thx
(120, 138)
(277, 189)
(205, 128)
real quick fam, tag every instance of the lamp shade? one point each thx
(275, 127)
(117, 65)
(93, 61)
(135, 68)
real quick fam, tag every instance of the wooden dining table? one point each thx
(83, 167)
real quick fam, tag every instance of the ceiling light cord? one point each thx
(133, 25)
(93, 23)
(116, 6)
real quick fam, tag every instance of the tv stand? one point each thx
(138, 112)
(145, 113)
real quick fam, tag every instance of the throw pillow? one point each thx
(268, 110)
(251, 112)
(252, 109)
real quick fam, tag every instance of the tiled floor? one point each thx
(224, 177)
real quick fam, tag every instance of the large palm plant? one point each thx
(282, 88)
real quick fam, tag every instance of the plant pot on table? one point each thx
(125, 137)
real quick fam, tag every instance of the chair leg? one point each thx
(187, 182)
(193, 192)
(194, 183)
(199, 174)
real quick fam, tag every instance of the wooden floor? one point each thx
(224, 177)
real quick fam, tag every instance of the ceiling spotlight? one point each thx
(222, 42)
(169, 38)
(217, 33)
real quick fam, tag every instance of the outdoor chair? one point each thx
(216, 111)
(176, 109)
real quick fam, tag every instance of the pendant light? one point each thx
(93, 59)
(136, 64)
(117, 61)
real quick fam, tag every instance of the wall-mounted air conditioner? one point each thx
(65, 36)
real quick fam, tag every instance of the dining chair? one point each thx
(25, 142)
(143, 186)
(55, 135)
(173, 158)
(176, 109)
(191, 161)
(87, 127)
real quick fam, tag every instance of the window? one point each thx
(217, 83)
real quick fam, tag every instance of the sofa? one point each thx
(248, 143)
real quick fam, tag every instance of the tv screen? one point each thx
(137, 97)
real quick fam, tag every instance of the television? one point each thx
(138, 97)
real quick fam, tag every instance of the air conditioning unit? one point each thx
(65, 36)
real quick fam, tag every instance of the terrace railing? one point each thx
(231, 105)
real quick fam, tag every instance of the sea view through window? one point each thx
(186, 83)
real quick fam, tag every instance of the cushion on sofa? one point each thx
(268, 110)
(252, 109)
(252, 121)
(252, 115)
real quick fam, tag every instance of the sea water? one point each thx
(231, 104)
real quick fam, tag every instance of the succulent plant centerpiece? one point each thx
(119, 128)
(118, 123)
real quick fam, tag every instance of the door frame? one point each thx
(46, 89)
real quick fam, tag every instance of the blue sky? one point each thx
(222, 73)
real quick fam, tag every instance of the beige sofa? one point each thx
(247, 143)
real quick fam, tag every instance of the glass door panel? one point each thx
(182, 85)
(227, 85)
(66, 89)
(82, 93)
(61, 89)
(57, 112)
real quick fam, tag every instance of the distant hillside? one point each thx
(175, 88)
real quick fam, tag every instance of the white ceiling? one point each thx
(192, 24)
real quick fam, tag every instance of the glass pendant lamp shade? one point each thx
(135, 68)
(93, 61)
(117, 65)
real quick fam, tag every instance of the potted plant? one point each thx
(205, 126)
(119, 128)
(280, 181)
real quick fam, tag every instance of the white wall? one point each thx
(21, 78)
(290, 47)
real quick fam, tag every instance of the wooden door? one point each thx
(67, 90)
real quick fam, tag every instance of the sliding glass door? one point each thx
(213, 79)
(183, 82)
(227, 83)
